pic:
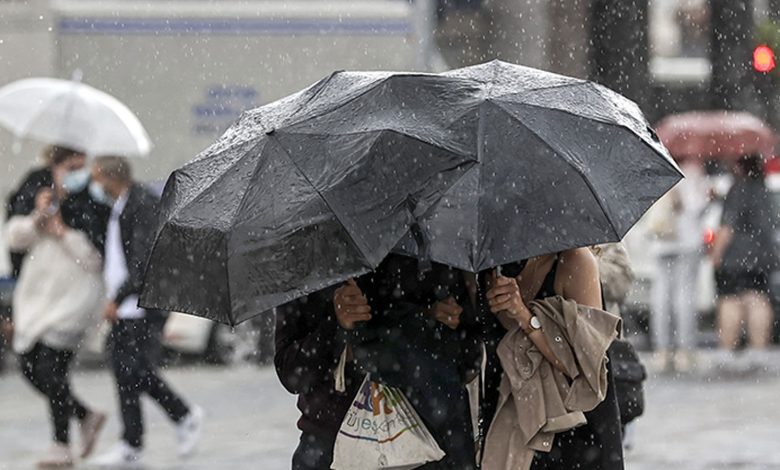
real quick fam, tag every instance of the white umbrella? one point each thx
(72, 114)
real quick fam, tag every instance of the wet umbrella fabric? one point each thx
(563, 163)
(356, 160)
(305, 192)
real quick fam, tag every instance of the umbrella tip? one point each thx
(77, 75)
(270, 132)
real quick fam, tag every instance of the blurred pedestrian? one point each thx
(22, 200)
(57, 297)
(676, 222)
(615, 274)
(65, 171)
(130, 232)
(421, 324)
(744, 255)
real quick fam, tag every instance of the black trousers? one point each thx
(133, 344)
(47, 370)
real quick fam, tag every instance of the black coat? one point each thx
(307, 352)
(138, 224)
(434, 360)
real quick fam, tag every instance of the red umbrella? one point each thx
(716, 134)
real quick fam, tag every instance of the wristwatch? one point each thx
(534, 323)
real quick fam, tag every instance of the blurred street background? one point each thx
(188, 68)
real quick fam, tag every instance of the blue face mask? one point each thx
(99, 194)
(75, 181)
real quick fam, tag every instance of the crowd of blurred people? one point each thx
(79, 232)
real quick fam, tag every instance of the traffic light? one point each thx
(763, 59)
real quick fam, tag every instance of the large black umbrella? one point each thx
(306, 192)
(493, 163)
(563, 163)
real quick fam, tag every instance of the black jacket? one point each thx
(307, 352)
(138, 226)
(434, 360)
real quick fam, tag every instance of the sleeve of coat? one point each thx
(82, 250)
(144, 227)
(22, 233)
(307, 350)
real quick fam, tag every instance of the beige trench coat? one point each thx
(536, 400)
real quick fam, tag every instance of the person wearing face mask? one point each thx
(53, 216)
(57, 297)
(130, 233)
(65, 171)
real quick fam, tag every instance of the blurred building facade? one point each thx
(668, 55)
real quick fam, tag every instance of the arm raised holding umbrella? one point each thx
(576, 279)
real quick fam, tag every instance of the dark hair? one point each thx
(116, 168)
(58, 154)
(752, 166)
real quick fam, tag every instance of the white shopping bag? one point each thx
(382, 431)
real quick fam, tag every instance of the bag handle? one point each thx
(338, 374)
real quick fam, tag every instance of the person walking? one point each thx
(676, 223)
(130, 232)
(744, 255)
(58, 295)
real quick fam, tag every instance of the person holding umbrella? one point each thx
(572, 275)
(492, 163)
(130, 231)
(378, 318)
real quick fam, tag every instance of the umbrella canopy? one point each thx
(716, 134)
(305, 192)
(563, 163)
(492, 163)
(72, 114)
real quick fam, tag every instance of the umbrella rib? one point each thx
(319, 193)
(183, 205)
(232, 220)
(553, 87)
(572, 165)
(289, 123)
(605, 122)
(319, 87)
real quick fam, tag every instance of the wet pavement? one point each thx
(710, 420)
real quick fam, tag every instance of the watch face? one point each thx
(535, 323)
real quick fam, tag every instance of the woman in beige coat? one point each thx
(572, 275)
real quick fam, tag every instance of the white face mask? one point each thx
(75, 181)
(99, 194)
